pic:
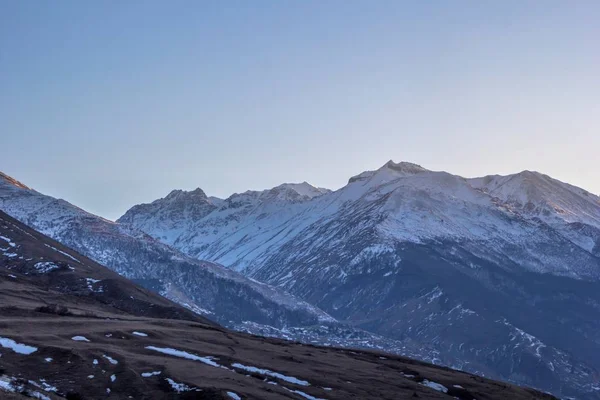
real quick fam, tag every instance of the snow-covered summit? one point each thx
(399, 202)
(401, 251)
(286, 192)
(535, 194)
(404, 167)
(305, 189)
(389, 171)
(196, 194)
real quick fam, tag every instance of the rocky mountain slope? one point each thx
(499, 275)
(70, 328)
(204, 287)
(209, 289)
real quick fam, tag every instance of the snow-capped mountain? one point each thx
(572, 211)
(408, 203)
(538, 195)
(499, 275)
(204, 287)
(207, 288)
(73, 329)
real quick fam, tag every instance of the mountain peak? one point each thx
(404, 167)
(192, 194)
(535, 193)
(391, 169)
(12, 181)
(304, 189)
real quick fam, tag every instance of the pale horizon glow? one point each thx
(111, 104)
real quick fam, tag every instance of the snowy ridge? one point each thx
(540, 195)
(375, 252)
(485, 271)
(134, 254)
(409, 203)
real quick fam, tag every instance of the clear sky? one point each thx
(111, 103)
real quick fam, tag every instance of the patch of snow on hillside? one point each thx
(6, 384)
(40, 396)
(302, 394)
(184, 354)
(90, 284)
(525, 338)
(19, 348)
(45, 267)
(110, 359)
(435, 386)
(181, 387)
(234, 396)
(45, 386)
(433, 295)
(10, 243)
(272, 374)
(62, 252)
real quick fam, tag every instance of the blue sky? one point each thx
(110, 103)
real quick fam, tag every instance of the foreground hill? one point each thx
(498, 275)
(73, 329)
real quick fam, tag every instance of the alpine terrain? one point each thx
(498, 276)
(203, 287)
(209, 289)
(71, 328)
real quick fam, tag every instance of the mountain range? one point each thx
(73, 329)
(497, 275)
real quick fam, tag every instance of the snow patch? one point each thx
(435, 386)
(47, 387)
(6, 384)
(38, 395)
(90, 284)
(234, 396)
(110, 359)
(19, 348)
(181, 387)
(302, 394)
(63, 253)
(184, 354)
(272, 374)
(10, 243)
(45, 267)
